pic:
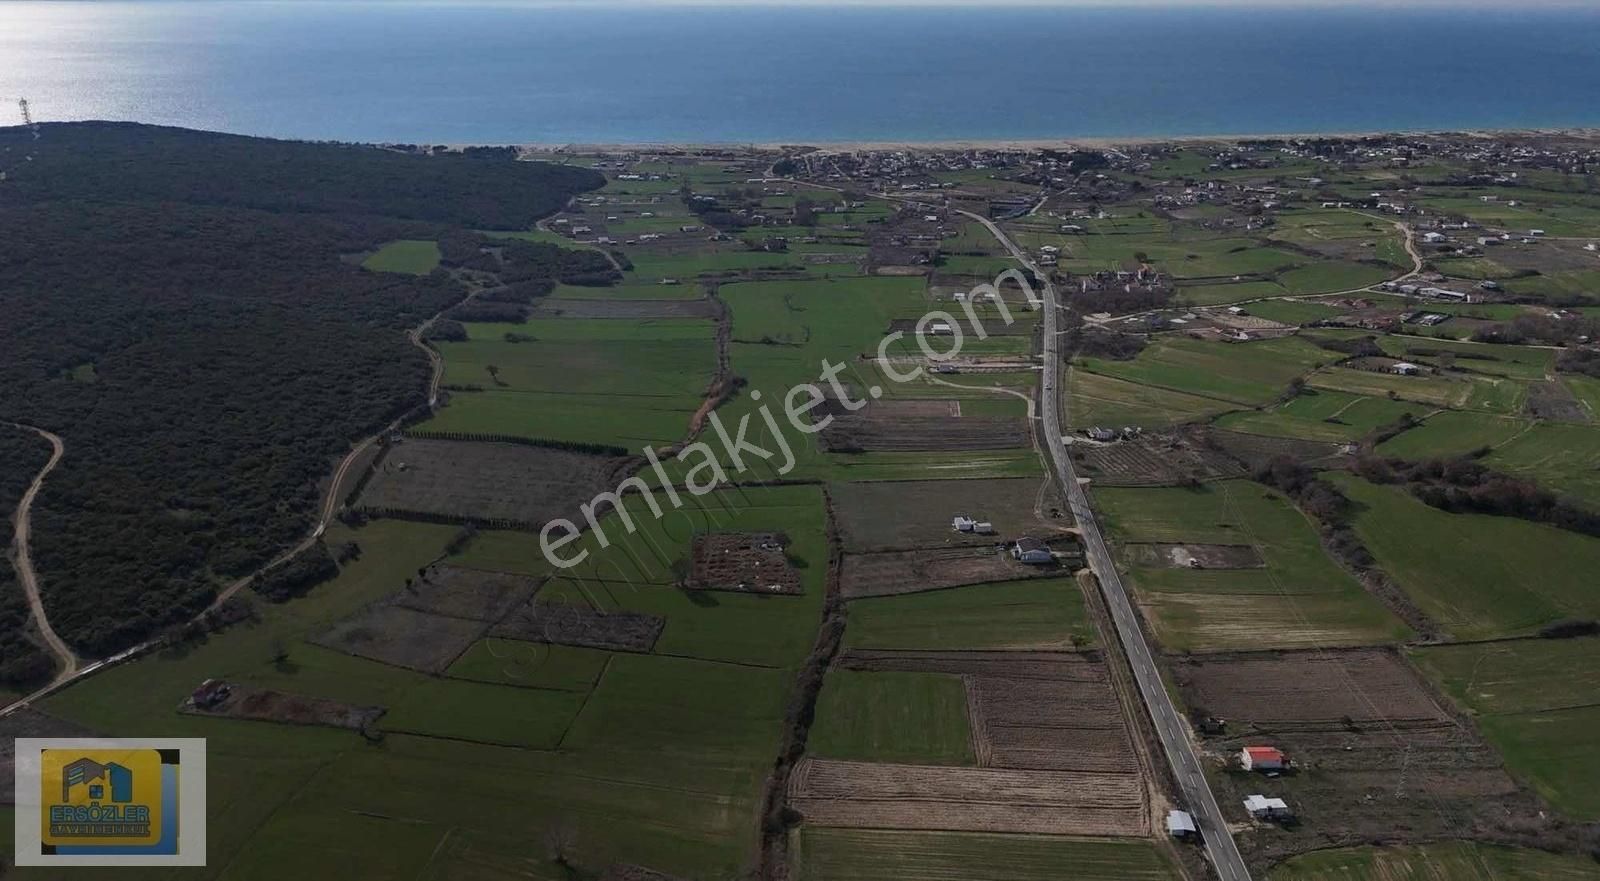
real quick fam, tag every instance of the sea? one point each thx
(576, 72)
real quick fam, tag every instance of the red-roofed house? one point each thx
(1261, 758)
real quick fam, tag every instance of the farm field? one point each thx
(1046, 613)
(1470, 572)
(1300, 597)
(1097, 399)
(1445, 861)
(1323, 416)
(1453, 433)
(1373, 749)
(1533, 699)
(810, 665)
(1488, 394)
(888, 515)
(1565, 458)
(866, 716)
(1241, 373)
(821, 854)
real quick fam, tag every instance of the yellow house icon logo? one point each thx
(102, 797)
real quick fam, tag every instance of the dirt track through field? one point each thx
(330, 507)
(22, 559)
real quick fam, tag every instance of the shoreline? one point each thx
(1584, 132)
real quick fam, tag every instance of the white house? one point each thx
(1405, 368)
(962, 523)
(1032, 550)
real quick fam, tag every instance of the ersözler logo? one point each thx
(110, 802)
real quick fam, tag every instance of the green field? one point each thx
(658, 736)
(412, 256)
(531, 664)
(1300, 598)
(1242, 373)
(1473, 573)
(1445, 861)
(1044, 613)
(875, 855)
(1452, 433)
(1094, 399)
(1534, 699)
(609, 381)
(1563, 457)
(1488, 394)
(1321, 415)
(917, 718)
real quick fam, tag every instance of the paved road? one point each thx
(22, 558)
(1170, 726)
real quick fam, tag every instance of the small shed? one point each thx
(1405, 368)
(962, 523)
(1261, 758)
(1180, 824)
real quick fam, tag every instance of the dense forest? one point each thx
(22, 661)
(184, 310)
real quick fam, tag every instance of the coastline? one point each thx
(1067, 141)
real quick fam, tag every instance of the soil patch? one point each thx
(403, 637)
(898, 572)
(749, 562)
(266, 705)
(891, 796)
(565, 624)
(471, 480)
(459, 592)
(1191, 556)
(1553, 400)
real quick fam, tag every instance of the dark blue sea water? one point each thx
(509, 72)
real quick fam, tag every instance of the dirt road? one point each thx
(71, 671)
(22, 559)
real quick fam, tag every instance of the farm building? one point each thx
(1180, 824)
(1032, 550)
(962, 523)
(1263, 808)
(1405, 368)
(1261, 758)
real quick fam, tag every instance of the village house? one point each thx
(1261, 758)
(1263, 808)
(1032, 551)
